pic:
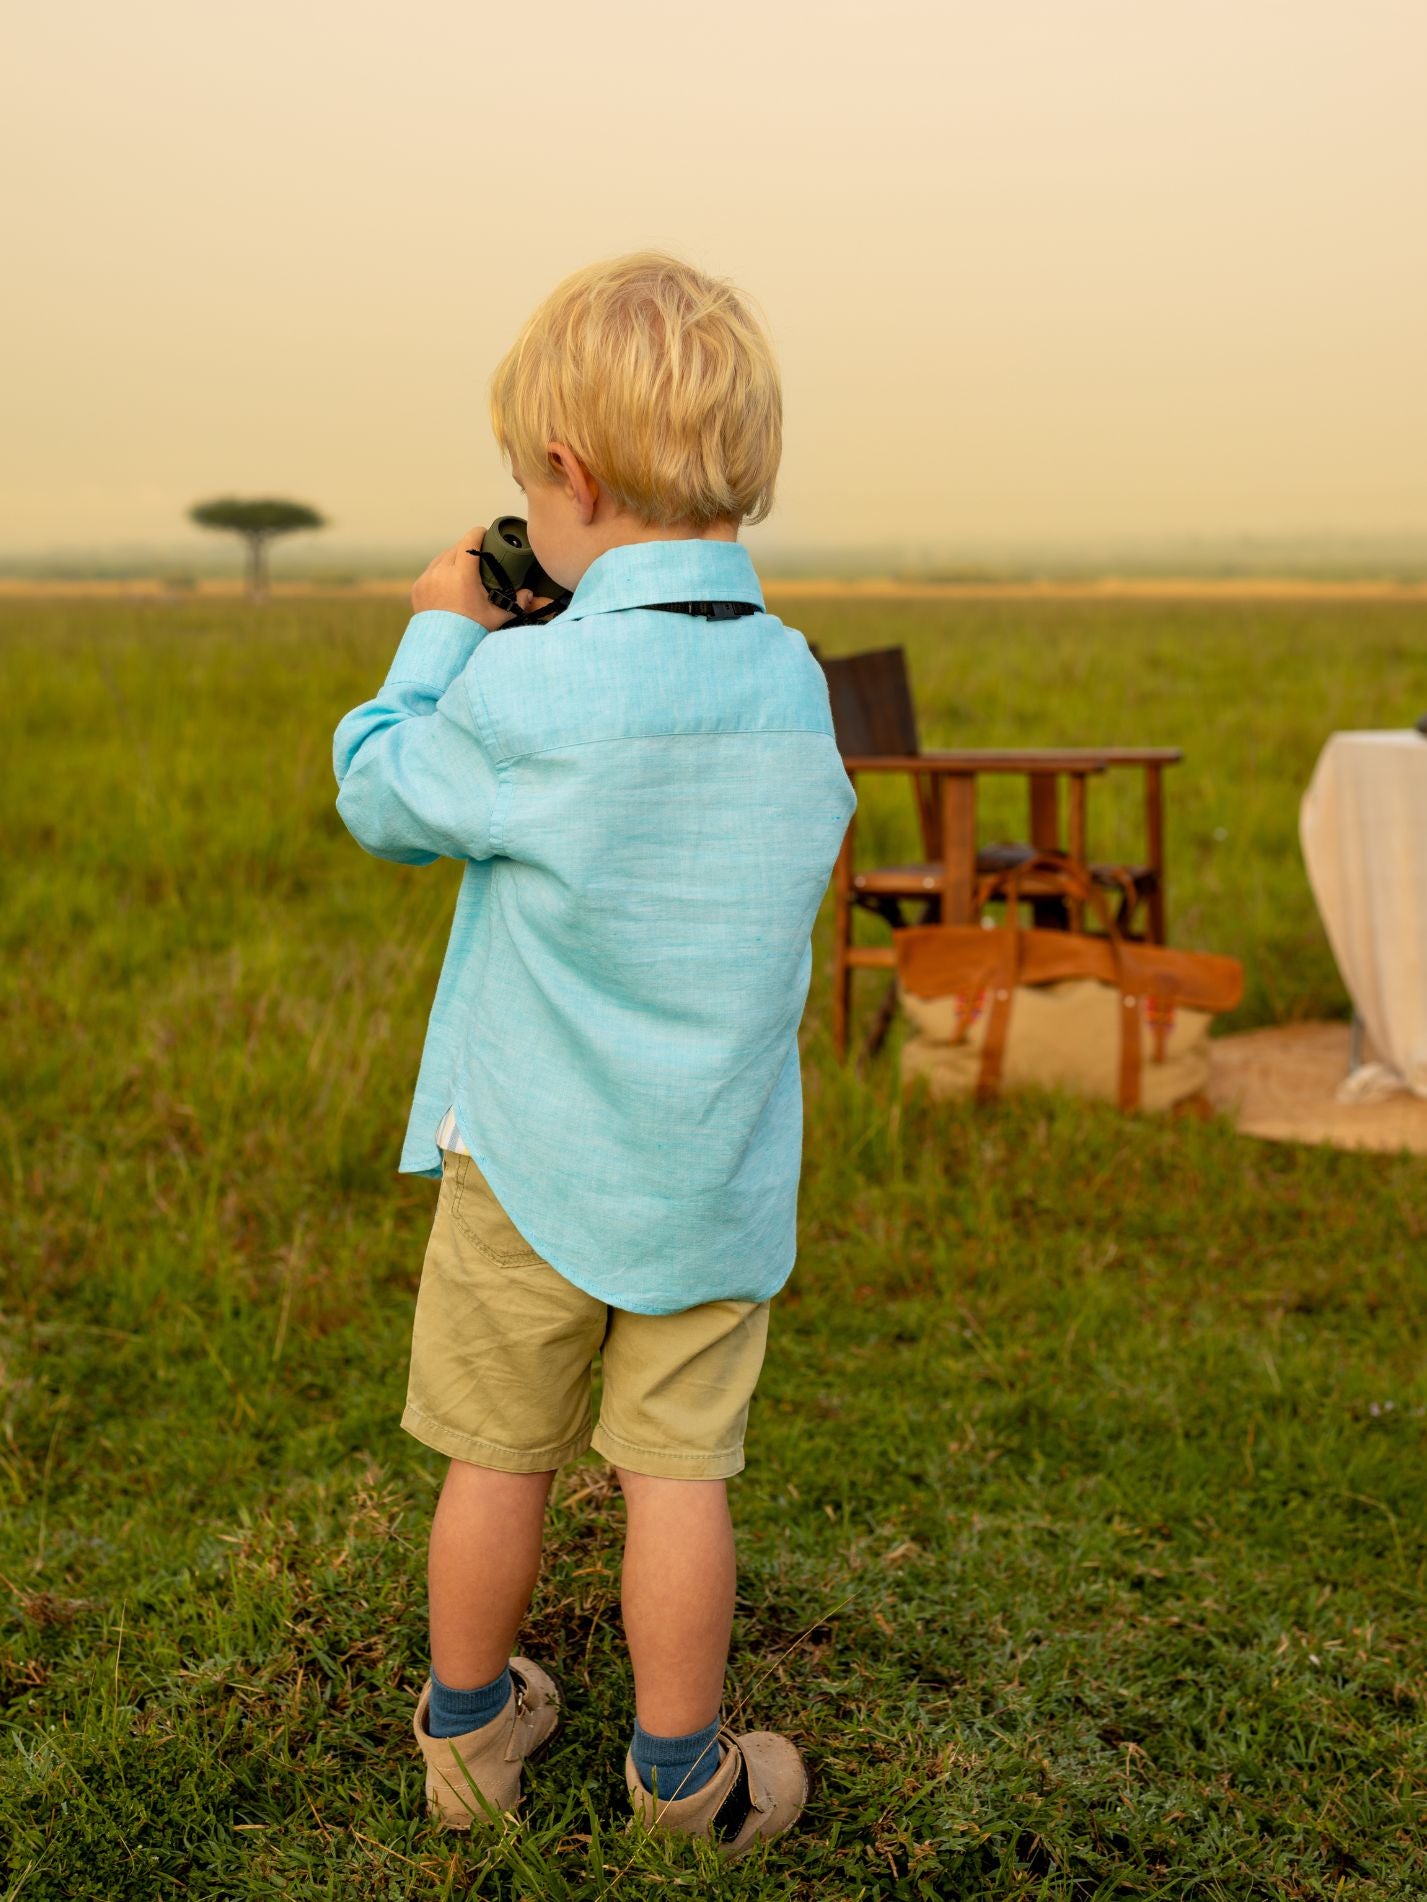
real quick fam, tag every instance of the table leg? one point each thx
(1047, 914)
(958, 848)
(1045, 812)
(1154, 831)
(1077, 844)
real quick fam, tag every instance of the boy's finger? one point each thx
(468, 550)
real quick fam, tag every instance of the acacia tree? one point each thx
(257, 523)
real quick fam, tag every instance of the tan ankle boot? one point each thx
(492, 1755)
(759, 1789)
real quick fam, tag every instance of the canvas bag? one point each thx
(1106, 1017)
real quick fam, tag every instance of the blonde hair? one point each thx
(660, 379)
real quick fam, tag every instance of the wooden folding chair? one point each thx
(875, 721)
(873, 714)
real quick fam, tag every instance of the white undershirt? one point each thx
(448, 1136)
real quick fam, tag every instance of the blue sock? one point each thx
(453, 1713)
(683, 1765)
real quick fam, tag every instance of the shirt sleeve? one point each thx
(416, 779)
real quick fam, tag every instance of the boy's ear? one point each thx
(574, 478)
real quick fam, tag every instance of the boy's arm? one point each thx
(416, 779)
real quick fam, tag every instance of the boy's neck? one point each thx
(623, 531)
(574, 519)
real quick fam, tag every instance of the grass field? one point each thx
(1082, 1535)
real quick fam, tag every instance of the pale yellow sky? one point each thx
(1049, 269)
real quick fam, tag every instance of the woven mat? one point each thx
(1281, 1084)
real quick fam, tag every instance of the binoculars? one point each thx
(508, 564)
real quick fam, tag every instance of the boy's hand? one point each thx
(452, 580)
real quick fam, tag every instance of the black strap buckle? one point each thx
(708, 610)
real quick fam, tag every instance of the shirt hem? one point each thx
(591, 1284)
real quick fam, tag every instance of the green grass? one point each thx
(1082, 1535)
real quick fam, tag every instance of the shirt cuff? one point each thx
(435, 648)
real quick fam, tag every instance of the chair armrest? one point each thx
(884, 763)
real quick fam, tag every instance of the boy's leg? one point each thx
(501, 1353)
(678, 1598)
(674, 1409)
(484, 1559)
(672, 1419)
(482, 1713)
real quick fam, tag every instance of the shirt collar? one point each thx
(639, 574)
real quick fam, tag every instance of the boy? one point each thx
(648, 800)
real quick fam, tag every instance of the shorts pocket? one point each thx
(483, 1222)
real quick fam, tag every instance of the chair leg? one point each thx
(882, 1022)
(1155, 924)
(841, 1000)
(887, 1009)
(841, 945)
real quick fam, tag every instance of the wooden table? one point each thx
(949, 778)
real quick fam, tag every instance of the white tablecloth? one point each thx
(1363, 827)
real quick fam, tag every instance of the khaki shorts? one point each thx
(503, 1348)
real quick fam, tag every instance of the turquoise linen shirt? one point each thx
(648, 807)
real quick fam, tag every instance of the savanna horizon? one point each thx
(323, 559)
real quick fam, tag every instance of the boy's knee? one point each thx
(651, 1489)
(467, 1476)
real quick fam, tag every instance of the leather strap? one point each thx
(964, 961)
(993, 1050)
(1131, 1004)
(1158, 1011)
(998, 1024)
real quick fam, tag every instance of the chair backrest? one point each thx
(871, 698)
(873, 712)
